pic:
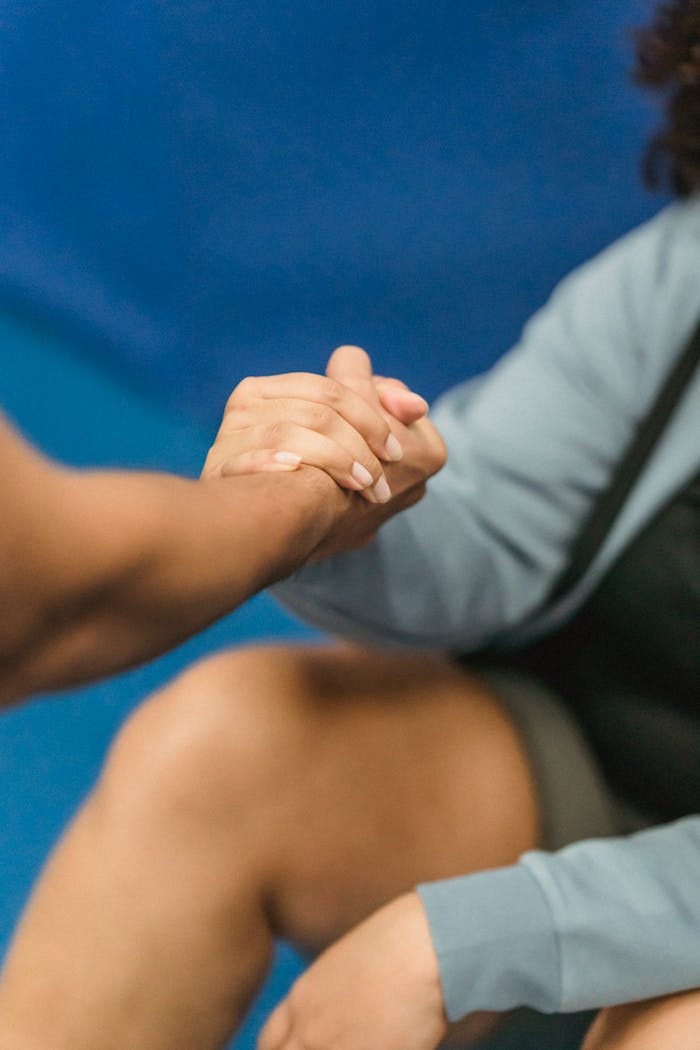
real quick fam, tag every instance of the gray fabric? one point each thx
(575, 801)
(504, 914)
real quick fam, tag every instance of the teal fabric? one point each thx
(532, 444)
(531, 447)
(502, 915)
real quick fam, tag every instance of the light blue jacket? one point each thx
(531, 447)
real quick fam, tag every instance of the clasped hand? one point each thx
(369, 434)
(378, 987)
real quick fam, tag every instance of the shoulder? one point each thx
(635, 303)
(635, 279)
(608, 332)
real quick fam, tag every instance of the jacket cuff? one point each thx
(495, 941)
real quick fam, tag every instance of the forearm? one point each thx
(120, 567)
(599, 923)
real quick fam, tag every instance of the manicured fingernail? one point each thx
(289, 458)
(361, 474)
(419, 401)
(393, 448)
(382, 491)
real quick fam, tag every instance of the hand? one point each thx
(276, 423)
(378, 988)
(424, 452)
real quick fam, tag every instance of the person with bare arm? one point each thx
(487, 795)
(101, 570)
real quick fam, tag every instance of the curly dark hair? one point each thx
(668, 62)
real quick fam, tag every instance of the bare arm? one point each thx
(101, 570)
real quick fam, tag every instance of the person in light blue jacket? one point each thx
(538, 785)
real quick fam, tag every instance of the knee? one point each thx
(601, 1034)
(216, 740)
(669, 1023)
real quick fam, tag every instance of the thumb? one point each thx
(349, 363)
(400, 402)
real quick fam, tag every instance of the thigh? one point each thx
(392, 769)
(669, 1023)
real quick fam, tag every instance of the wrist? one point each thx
(323, 488)
(327, 502)
(417, 938)
(290, 516)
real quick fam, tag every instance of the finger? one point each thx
(376, 378)
(353, 467)
(265, 460)
(307, 388)
(434, 445)
(325, 420)
(277, 1028)
(349, 362)
(352, 366)
(400, 402)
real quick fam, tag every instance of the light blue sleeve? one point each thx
(602, 922)
(531, 446)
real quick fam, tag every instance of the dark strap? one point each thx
(597, 526)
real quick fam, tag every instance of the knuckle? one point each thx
(373, 465)
(383, 430)
(443, 455)
(440, 453)
(273, 435)
(413, 495)
(345, 463)
(241, 393)
(321, 417)
(212, 464)
(334, 392)
(434, 445)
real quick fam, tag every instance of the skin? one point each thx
(669, 1023)
(267, 793)
(283, 792)
(280, 792)
(343, 431)
(103, 570)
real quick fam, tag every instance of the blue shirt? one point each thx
(531, 447)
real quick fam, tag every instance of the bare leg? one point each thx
(670, 1023)
(265, 792)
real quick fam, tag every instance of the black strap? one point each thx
(597, 526)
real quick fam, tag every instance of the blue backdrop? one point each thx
(191, 192)
(199, 189)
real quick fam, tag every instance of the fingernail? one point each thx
(361, 474)
(290, 458)
(393, 448)
(382, 491)
(420, 401)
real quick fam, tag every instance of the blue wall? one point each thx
(193, 192)
(201, 189)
